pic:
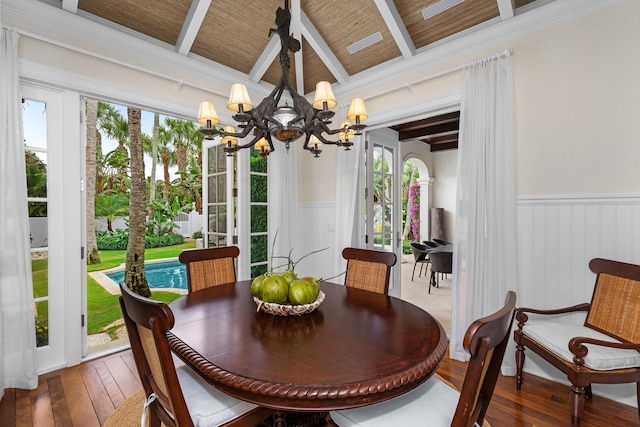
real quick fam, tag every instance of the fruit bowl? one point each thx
(288, 309)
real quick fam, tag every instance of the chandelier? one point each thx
(286, 123)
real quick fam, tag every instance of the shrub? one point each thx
(119, 239)
(197, 235)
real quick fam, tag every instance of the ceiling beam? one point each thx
(296, 29)
(266, 58)
(437, 129)
(445, 146)
(322, 49)
(191, 26)
(70, 6)
(396, 26)
(507, 9)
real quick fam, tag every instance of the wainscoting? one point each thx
(557, 237)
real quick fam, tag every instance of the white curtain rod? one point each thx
(504, 53)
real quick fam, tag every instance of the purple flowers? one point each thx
(414, 212)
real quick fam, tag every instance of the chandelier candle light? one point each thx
(286, 123)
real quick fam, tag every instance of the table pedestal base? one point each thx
(296, 419)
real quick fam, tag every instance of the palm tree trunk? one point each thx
(134, 276)
(154, 157)
(165, 164)
(93, 256)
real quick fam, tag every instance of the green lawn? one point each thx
(102, 307)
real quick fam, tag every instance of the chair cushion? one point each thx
(208, 406)
(555, 336)
(432, 403)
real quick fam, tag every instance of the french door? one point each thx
(53, 157)
(383, 199)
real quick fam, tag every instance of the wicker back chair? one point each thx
(369, 270)
(435, 403)
(209, 267)
(606, 349)
(182, 398)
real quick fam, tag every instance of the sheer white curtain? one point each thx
(17, 326)
(485, 256)
(348, 166)
(283, 202)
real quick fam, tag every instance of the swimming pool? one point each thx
(167, 274)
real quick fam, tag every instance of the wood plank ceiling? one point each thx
(235, 34)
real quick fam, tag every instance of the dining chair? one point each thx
(368, 269)
(605, 349)
(177, 397)
(441, 262)
(441, 242)
(420, 256)
(436, 404)
(210, 266)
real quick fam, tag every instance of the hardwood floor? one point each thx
(85, 396)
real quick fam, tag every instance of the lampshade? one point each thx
(357, 112)
(207, 112)
(229, 140)
(239, 96)
(324, 93)
(348, 135)
(315, 142)
(262, 145)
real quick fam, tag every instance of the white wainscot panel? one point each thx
(557, 237)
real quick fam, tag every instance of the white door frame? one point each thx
(388, 140)
(65, 207)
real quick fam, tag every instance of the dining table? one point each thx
(356, 348)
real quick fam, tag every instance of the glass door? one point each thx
(383, 200)
(54, 233)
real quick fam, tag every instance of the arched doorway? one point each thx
(438, 302)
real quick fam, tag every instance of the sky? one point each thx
(34, 121)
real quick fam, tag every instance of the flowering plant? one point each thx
(414, 211)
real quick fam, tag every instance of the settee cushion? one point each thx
(555, 335)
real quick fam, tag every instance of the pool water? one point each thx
(168, 274)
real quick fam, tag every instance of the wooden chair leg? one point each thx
(519, 364)
(576, 402)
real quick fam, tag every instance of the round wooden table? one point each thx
(355, 349)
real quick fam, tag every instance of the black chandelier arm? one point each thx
(258, 134)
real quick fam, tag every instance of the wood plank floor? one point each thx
(85, 396)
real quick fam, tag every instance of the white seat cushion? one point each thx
(208, 407)
(430, 404)
(556, 335)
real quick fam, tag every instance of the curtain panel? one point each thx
(485, 257)
(17, 323)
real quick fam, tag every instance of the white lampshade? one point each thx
(207, 112)
(239, 96)
(324, 93)
(315, 142)
(357, 112)
(262, 145)
(348, 135)
(229, 140)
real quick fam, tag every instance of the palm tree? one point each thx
(134, 275)
(154, 160)
(168, 157)
(109, 205)
(117, 127)
(93, 256)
